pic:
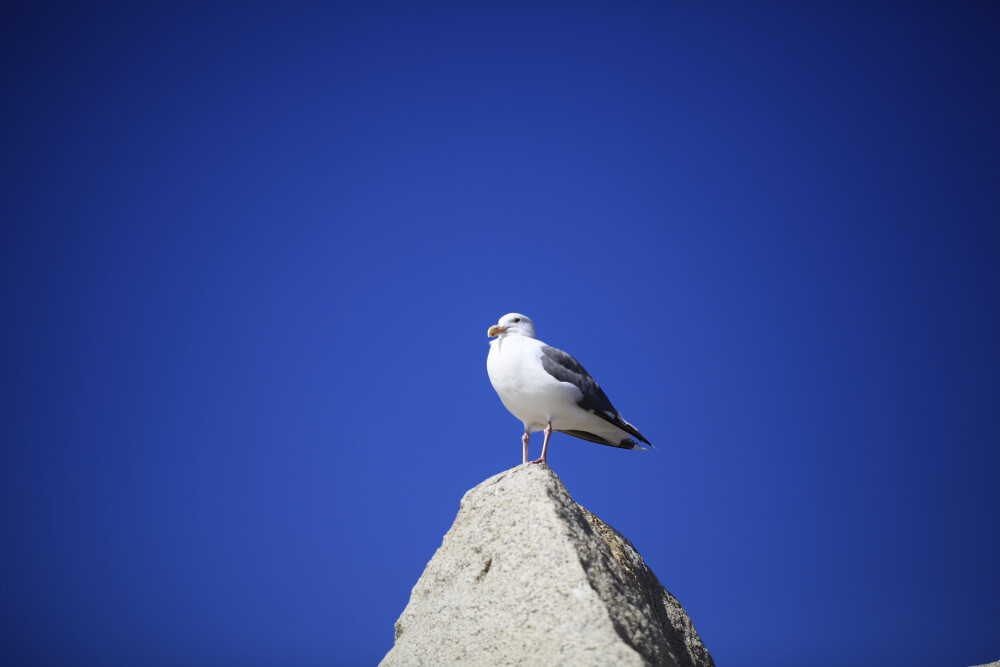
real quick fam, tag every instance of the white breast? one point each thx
(531, 394)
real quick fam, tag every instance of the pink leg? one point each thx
(545, 444)
(524, 439)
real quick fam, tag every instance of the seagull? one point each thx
(548, 390)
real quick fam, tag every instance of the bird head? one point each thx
(513, 324)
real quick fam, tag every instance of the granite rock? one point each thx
(525, 576)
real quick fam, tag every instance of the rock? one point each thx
(525, 576)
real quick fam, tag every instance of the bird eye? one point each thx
(517, 319)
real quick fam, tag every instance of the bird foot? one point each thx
(537, 461)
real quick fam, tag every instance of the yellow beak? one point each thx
(496, 330)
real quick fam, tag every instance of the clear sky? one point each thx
(250, 252)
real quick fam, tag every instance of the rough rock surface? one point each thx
(526, 576)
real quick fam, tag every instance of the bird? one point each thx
(549, 390)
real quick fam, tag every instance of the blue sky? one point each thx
(250, 253)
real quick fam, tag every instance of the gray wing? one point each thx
(565, 368)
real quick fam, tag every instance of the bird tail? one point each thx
(645, 447)
(627, 443)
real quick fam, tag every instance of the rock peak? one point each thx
(527, 576)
